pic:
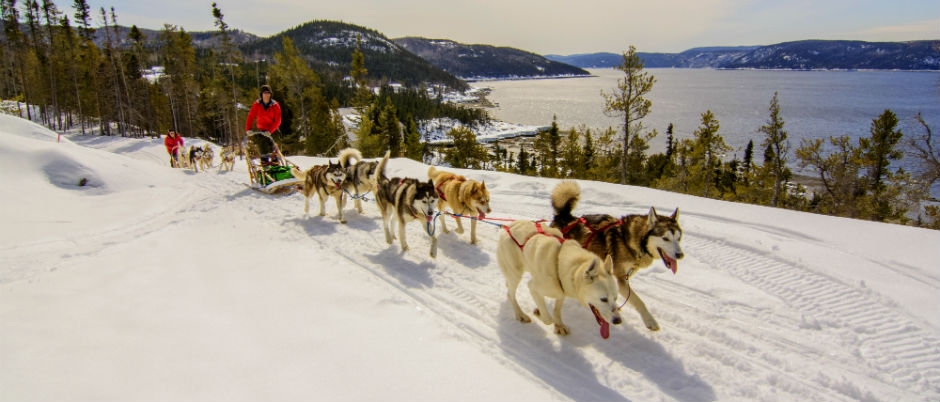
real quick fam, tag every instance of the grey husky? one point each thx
(361, 176)
(402, 200)
(633, 240)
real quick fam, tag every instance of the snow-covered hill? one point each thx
(150, 283)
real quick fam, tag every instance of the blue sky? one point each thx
(563, 27)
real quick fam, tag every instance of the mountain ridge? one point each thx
(813, 54)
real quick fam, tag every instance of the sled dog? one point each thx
(195, 157)
(360, 175)
(559, 269)
(227, 155)
(402, 200)
(634, 241)
(208, 156)
(463, 196)
(324, 181)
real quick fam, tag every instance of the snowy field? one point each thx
(156, 284)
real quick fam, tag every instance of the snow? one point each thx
(152, 283)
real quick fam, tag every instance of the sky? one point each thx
(565, 27)
(152, 283)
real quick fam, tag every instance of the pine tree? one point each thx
(466, 152)
(391, 128)
(877, 152)
(706, 152)
(358, 72)
(629, 102)
(414, 149)
(226, 61)
(777, 148)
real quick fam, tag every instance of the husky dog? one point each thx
(360, 176)
(195, 157)
(404, 200)
(558, 270)
(325, 181)
(208, 155)
(633, 240)
(463, 196)
(183, 160)
(228, 159)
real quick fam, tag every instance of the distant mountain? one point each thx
(473, 62)
(800, 55)
(329, 45)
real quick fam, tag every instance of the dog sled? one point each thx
(268, 169)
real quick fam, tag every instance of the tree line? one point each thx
(858, 180)
(54, 67)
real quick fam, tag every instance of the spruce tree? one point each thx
(629, 101)
(777, 148)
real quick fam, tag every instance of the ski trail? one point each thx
(884, 340)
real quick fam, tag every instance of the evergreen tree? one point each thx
(572, 160)
(706, 152)
(670, 142)
(312, 125)
(227, 60)
(522, 162)
(358, 72)
(777, 148)
(877, 152)
(629, 102)
(390, 128)
(466, 152)
(180, 85)
(547, 150)
(414, 149)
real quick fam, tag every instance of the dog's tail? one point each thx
(298, 173)
(565, 197)
(432, 172)
(349, 154)
(380, 170)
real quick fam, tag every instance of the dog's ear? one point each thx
(609, 264)
(652, 217)
(483, 183)
(591, 273)
(675, 214)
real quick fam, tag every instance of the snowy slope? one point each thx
(151, 283)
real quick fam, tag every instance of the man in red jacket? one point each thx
(173, 143)
(266, 111)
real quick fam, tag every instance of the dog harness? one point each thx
(594, 231)
(539, 230)
(438, 187)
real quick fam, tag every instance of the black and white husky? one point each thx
(360, 175)
(403, 200)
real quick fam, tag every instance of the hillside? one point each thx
(474, 62)
(799, 55)
(329, 46)
(152, 283)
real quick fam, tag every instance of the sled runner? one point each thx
(268, 170)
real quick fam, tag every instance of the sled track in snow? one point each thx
(885, 340)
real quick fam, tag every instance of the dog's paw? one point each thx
(652, 325)
(523, 318)
(545, 318)
(459, 230)
(561, 329)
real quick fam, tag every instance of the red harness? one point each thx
(594, 231)
(539, 230)
(438, 187)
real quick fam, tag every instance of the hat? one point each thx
(265, 88)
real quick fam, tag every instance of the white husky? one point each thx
(559, 270)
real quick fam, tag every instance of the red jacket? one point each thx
(269, 118)
(173, 144)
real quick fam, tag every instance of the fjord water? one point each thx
(813, 104)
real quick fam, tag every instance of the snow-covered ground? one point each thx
(151, 283)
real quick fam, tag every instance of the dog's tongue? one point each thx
(672, 264)
(605, 326)
(481, 215)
